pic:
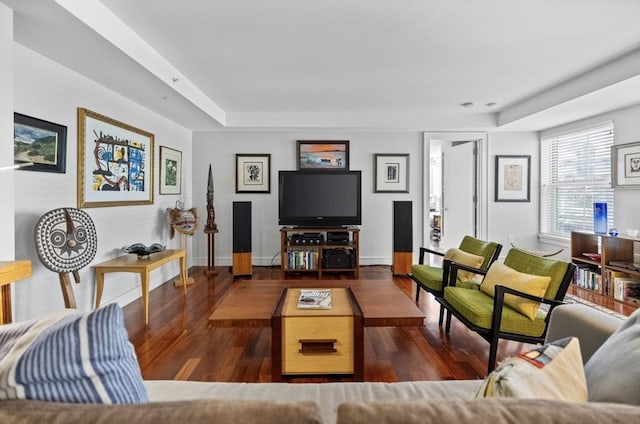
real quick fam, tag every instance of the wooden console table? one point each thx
(10, 271)
(142, 266)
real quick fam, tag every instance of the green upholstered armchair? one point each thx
(430, 278)
(494, 319)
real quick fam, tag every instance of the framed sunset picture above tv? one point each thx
(323, 155)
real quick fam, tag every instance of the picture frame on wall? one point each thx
(39, 142)
(115, 162)
(625, 165)
(323, 155)
(253, 173)
(170, 170)
(391, 171)
(513, 178)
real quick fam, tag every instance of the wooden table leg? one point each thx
(144, 278)
(183, 273)
(5, 303)
(99, 287)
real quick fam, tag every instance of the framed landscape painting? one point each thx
(42, 143)
(328, 155)
(115, 162)
(170, 170)
(253, 173)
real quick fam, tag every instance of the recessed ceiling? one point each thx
(372, 64)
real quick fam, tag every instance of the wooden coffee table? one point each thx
(251, 302)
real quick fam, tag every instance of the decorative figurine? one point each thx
(211, 213)
(182, 221)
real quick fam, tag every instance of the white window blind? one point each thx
(575, 172)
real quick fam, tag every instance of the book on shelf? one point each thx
(626, 289)
(314, 299)
(588, 276)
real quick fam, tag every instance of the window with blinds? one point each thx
(575, 172)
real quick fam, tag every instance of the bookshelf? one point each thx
(605, 265)
(319, 250)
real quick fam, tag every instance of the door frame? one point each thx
(482, 178)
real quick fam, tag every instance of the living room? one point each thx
(588, 74)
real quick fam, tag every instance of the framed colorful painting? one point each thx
(327, 155)
(115, 162)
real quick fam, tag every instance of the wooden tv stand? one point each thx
(302, 252)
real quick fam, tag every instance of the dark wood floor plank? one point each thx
(178, 342)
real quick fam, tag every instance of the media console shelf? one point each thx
(605, 264)
(319, 250)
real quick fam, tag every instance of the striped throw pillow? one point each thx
(70, 356)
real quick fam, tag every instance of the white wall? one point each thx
(6, 133)
(48, 91)
(219, 149)
(627, 130)
(516, 219)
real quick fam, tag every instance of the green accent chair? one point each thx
(433, 278)
(477, 310)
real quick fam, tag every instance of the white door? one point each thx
(458, 192)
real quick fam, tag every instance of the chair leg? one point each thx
(447, 327)
(441, 316)
(417, 292)
(493, 351)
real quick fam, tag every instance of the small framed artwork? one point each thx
(327, 155)
(253, 173)
(513, 178)
(391, 171)
(115, 162)
(625, 165)
(42, 143)
(170, 170)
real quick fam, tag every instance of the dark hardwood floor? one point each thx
(178, 344)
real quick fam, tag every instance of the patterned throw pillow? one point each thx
(464, 258)
(69, 356)
(553, 371)
(500, 274)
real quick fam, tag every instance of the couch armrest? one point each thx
(591, 326)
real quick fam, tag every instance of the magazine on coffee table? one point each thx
(314, 299)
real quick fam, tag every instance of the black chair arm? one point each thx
(424, 250)
(451, 269)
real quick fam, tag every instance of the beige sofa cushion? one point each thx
(553, 371)
(494, 411)
(192, 412)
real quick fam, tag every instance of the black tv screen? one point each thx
(319, 198)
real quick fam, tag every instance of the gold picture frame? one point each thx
(115, 162)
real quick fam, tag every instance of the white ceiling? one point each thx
(370, 64)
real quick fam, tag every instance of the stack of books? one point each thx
(315, 299)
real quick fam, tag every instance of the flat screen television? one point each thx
(319, 198)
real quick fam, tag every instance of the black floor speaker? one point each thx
(241, 238)
(402, 237)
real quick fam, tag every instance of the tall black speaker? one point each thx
(402, 237)
(241, 238)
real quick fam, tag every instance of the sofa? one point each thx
(372, 402)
